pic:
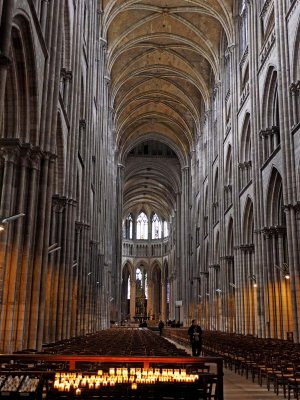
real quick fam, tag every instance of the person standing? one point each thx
(195, 334)
(161, 327)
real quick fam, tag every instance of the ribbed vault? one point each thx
(163, 58)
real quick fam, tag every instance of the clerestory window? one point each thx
(156, 227)
(142, 226)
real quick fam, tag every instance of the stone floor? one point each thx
(237, 387)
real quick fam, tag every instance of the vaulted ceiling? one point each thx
(163, 60)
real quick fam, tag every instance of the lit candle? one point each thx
(134, 386)
(100, 372)
(111, 371)
(56, 384)
(78, 392)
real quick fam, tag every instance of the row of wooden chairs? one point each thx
(116, 342)
(273, 362)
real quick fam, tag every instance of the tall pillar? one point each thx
(132, 298)
(28, 247)
(185, 273)
(118, 220)
(163, 301)
(150, 310)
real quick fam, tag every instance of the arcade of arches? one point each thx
(149, 166)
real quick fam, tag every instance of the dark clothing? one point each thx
(195, 334)
(161, 327)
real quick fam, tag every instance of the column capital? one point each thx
(295, 88)
(59, 203)
(102, 41)
(82, 123)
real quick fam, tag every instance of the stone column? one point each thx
(150, 298)
(132, 298)
(258, 212)
(13, 264)
(295, 94)
(67, 87)
(54, 267)
(185, 273)
(40, 248)
(292, 220)
(118, 220)
(43, 17)
(28, 248)
(163, 301)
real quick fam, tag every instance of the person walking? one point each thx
(161, 327)
(195, 334)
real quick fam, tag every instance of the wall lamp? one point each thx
(232, 284)
(4, 221)
(252, 278)
(218, 290)
(54, 247)
(284, 270)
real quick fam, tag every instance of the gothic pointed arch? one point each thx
(228, 178)
(295, 84)
(247, 223)
(245, 165)
(142, 223)
(127, 277)
(229, 241)
(21, 96)
(275, 235)
(245, 143)
(216, 197)
(67, 41)
(205, 211)
(275, 215)
(270, 132)
(60, 166)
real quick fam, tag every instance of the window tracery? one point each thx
(142, 226)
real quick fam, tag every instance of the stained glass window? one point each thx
(142, 226)
(156, 227)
